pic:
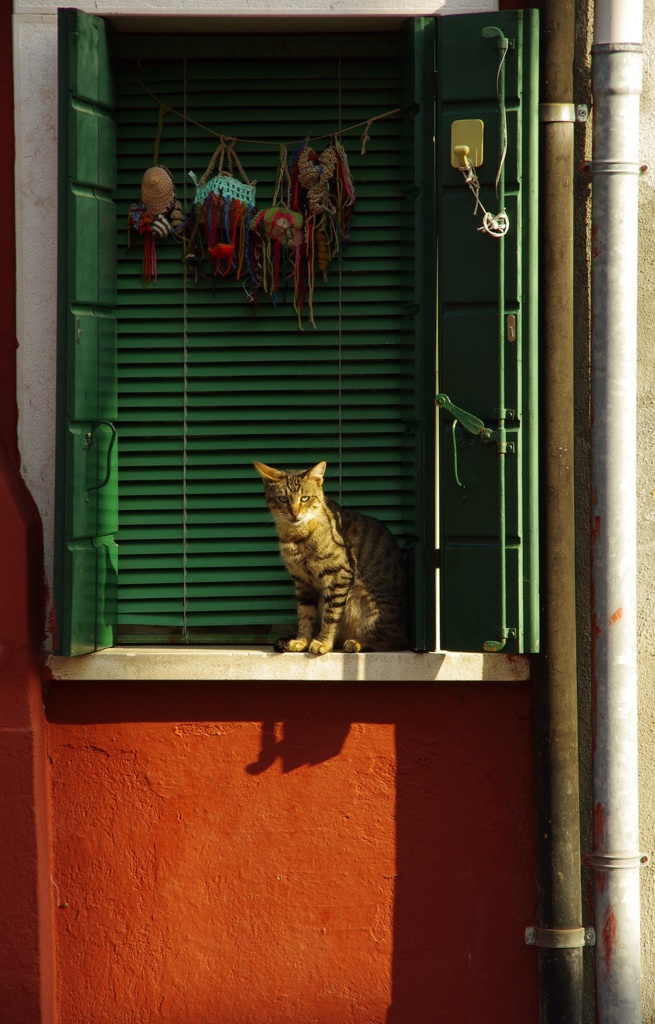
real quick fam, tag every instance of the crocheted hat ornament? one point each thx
(158, 215)
(224, 207)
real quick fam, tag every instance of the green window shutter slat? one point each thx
(86, 508)
(482, 538)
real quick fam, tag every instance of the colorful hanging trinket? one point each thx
(158, 215)
(322, 189)
(280, 241)
(224, 208)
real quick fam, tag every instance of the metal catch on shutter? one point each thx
(89, 442)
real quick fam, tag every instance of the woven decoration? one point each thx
(158, 215)
(322, 189)
(280, 243)
(224, 207)
(157, 189)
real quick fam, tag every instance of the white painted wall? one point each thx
(645, 441)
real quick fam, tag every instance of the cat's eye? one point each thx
(285, 501)
(305, 497)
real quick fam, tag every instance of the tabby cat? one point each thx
(344, 564)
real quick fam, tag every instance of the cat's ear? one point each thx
(317, 473)
(267, 472)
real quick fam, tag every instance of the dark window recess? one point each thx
(167, 393)
(207, 381)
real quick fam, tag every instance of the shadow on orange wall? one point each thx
(419, 793)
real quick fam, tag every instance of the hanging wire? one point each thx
(185, 400)
(503, 114)
(263, 142)
(340, 321)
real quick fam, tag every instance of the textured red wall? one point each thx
(292, 854)
(8, 413)
(26, 967)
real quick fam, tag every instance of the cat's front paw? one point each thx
(352, 646)
(319, 647)
(291, 645)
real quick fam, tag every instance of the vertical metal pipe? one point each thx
(559, 904)
(616, 76)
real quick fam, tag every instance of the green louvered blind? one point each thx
(206, 383)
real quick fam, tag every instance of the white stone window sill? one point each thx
(260, 664)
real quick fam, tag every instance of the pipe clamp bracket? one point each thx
(552, 112)
(560, 938)
(591, 167)
(613, 861)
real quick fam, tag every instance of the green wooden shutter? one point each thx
(487, 326)
(86, 454)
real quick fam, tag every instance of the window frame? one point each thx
(532, 642)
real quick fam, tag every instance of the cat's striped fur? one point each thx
(345, 565)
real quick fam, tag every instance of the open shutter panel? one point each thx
(487, 323)
(86, 475)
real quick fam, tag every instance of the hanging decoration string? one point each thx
(503, 114)
(340, 298)
(163, 112)
(185, 428)
(366, 124)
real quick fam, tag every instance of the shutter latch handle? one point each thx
(472, 423)
(112, 441)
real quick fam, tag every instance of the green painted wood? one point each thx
(417, 155)
(471, 333)
(86, 512)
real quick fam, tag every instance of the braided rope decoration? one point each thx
(315, 175)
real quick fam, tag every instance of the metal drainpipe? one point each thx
(616, 76)
(559, 935)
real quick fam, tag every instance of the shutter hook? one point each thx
(112, 441)
(457, 479)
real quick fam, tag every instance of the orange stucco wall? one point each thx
(330, 853)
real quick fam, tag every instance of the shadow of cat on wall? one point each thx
(287, 741)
